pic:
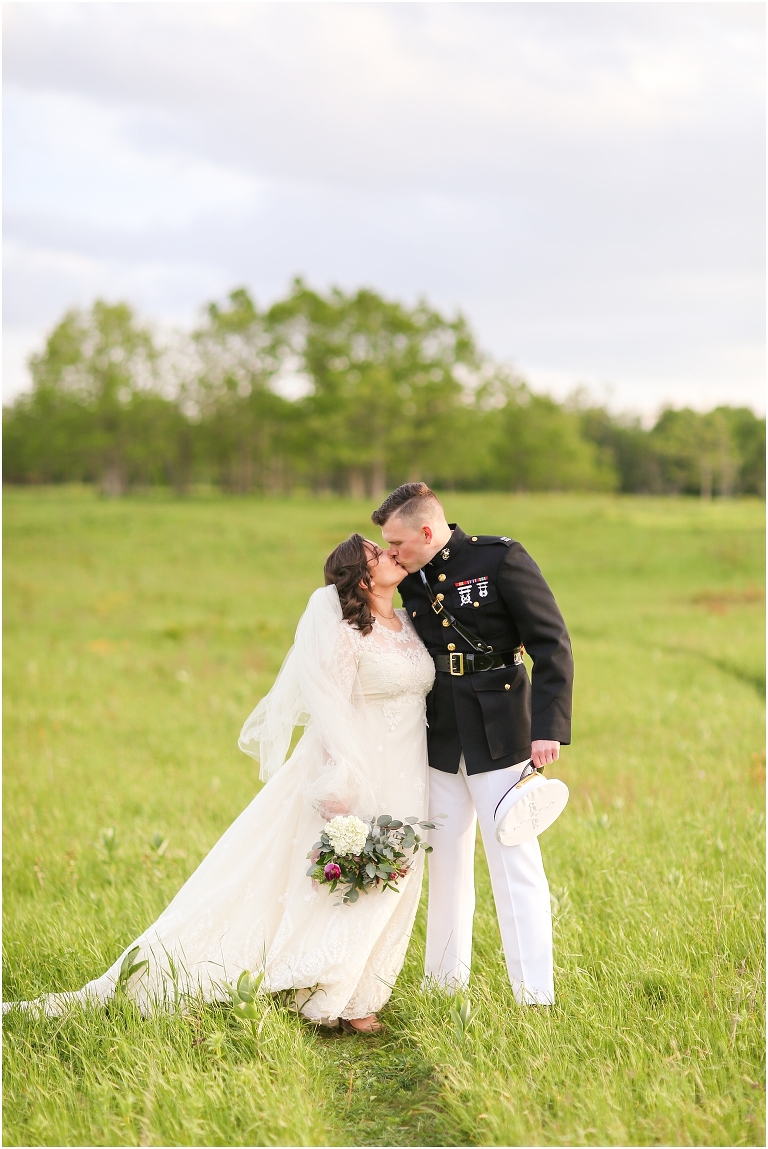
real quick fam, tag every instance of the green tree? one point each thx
(747, 433)
(247, 431)
(386, 383)
(628, 444)
(337, 391)
(686, 452)
(538, 445)
(96, 411)
(698, 453)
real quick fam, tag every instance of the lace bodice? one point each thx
(384, 664)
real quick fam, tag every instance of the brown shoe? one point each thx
(348, 1027)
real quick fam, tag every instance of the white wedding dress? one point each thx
(250, 904)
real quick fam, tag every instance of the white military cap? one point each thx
(529, 807)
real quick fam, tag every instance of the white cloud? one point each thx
(584, 180)
(54, 138)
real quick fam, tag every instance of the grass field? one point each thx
(140, 633)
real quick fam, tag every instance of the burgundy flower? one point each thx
(332, 872)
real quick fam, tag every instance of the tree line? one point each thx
(336, 392)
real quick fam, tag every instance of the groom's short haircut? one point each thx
(414, 503)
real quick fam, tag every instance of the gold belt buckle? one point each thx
(456, 659)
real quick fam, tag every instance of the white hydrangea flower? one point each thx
(346, 833)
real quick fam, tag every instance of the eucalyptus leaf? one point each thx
(383, 820)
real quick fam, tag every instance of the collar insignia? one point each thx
(446, 553)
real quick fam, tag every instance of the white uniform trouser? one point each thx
(520, 887)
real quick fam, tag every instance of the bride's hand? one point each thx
(330, 808)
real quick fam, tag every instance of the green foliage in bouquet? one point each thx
(380, 862)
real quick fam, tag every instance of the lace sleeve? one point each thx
(332, 792)
(346, 655)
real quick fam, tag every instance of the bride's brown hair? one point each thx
(346, 568)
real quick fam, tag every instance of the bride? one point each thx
(356, 679)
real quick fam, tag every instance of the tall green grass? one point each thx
(140, 633)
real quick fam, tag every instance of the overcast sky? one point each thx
(584, 181)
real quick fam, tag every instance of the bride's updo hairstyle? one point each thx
(346, 568)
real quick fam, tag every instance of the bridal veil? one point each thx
(314, 689)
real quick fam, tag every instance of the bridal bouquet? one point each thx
(362, 855)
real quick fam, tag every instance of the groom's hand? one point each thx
(544, 753)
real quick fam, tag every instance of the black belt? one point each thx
(459, 663)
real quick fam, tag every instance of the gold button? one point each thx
(507, 686)
(474, 538)
(441, 578)
(414, 614)
(439, 597)
(446, 622)
(475, 604)
(451, 645)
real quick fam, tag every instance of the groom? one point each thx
(484, 725)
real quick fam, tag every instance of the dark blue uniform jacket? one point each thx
(495, 590)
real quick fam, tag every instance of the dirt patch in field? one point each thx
(718, 601)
